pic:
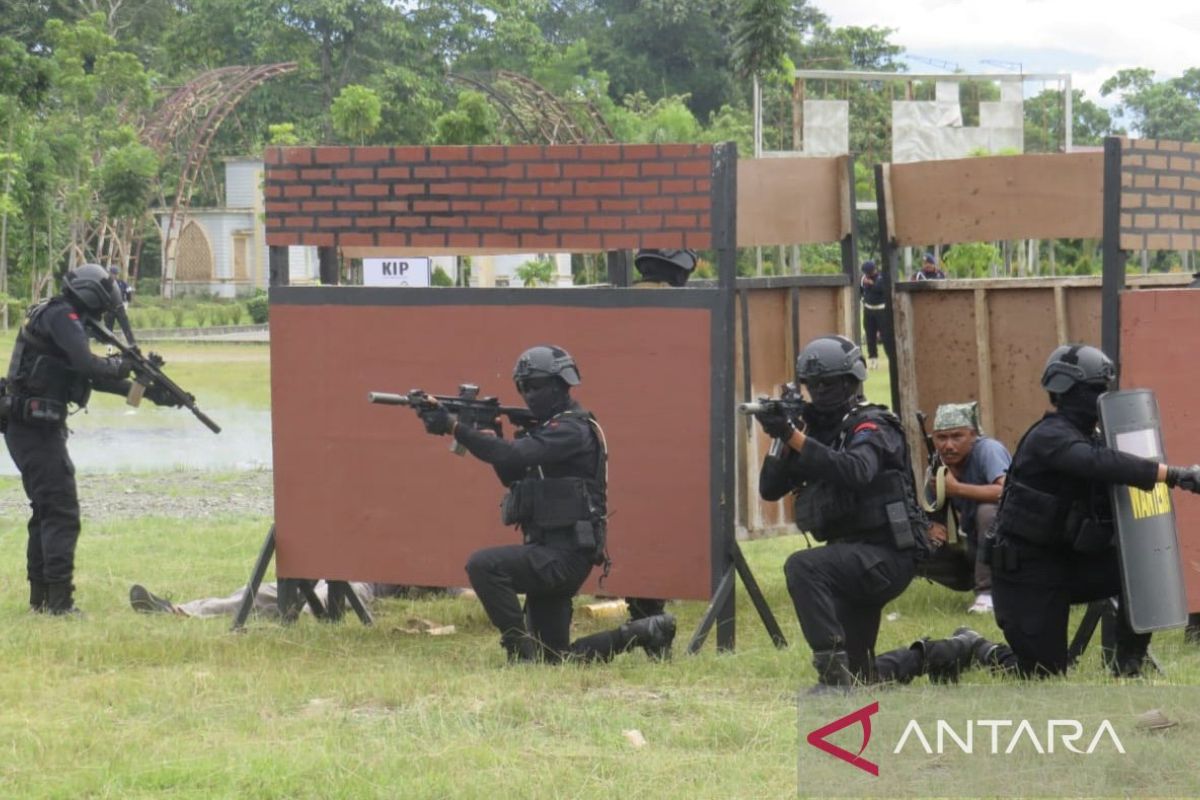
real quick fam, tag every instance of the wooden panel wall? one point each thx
(792, 200)
(998, 197)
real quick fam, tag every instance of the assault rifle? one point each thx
(789, 403)
(482, 413)
(147, 372)
(938, 507)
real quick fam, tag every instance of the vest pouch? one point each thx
(43, 411)
(515, 506)
(1030, 515)
(901, 525)
(558, 502)
(585, 536)
(821, 506)
(51, 378)
(1086, 533)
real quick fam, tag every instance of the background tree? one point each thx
(539, 272)
(356, 113)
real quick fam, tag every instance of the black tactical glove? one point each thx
(161, 397)
(1186, 478)
(119, 366)
(776, 425)
(437, 420)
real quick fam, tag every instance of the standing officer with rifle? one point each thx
(846, 462)
(52, 368)
(556, 472)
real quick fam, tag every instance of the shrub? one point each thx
(237, 312)
(257, 307)
(177, 312)
(441, 278)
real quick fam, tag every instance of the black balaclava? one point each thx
(832, 399)
(545, 396)
(1080, 404)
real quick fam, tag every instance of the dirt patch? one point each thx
(176, 493)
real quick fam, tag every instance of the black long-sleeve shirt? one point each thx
(562, 447)
(58, 331)
(1058, 458)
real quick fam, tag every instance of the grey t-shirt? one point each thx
(986, 462)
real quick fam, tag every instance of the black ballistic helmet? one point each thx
(1072, 364)
(90, 288)
(671, 266)
(829, 356)
(546, 361)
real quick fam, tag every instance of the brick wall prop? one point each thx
(1160, 195)
(583, 198)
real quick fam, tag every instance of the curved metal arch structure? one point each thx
(184, 126)
(536, 115)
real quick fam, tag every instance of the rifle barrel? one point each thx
(388, 399)
(753, 408)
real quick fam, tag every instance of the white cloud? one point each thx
(1091, 39)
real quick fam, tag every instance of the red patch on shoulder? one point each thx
(73, 316)
(552, 423)
(865, 426)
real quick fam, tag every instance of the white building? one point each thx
(223, 251)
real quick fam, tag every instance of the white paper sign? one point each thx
(396, 272)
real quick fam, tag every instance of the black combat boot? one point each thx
(522, 649)
(653, 634)
(144, 601)
(59, 601)
(984, 653)
(1191, 634)
(37, 597)
(833, 672)
(945, 659)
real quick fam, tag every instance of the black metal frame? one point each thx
(1113, 256)
(887, 265)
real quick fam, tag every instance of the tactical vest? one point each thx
(39, 369)
(882, 509)
(570, 511)
(1051, 520)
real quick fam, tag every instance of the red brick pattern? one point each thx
(561, 197)
(1160, 195)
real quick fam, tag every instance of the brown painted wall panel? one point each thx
(791, 201)
(1083, 315)
(1000, 197)
(1023, 333)
(1155, 356)
(944, 349)
(362, 493)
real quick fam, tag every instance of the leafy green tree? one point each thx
(356, 113)
(970, 259)
(762, 37)
(440, 277)
(127, 178)
(539, 272)
(471, 121)
(283, 134)
(1044, 133)
(1167, 109)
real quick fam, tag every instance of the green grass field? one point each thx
(120, 705)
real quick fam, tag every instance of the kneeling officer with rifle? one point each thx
(556, 471)
(52, 368)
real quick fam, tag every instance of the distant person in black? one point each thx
(557, 476)
(1053, 543)
(875, 297)
(929, 271)
(847, 464)
(51, 370)
(124, 292)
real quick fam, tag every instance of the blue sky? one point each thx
(1091, 39)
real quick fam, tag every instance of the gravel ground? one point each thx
(174, 493)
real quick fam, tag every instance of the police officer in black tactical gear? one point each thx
(1053, 542)
(846, 462)
(51, 370)
(557, 478)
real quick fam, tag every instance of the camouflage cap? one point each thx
(957, 415)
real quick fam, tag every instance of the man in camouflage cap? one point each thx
(968, 488)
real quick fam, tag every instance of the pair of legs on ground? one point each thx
(959, 568)
(48, 476)
(549, 577)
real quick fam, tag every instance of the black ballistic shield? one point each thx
(1151, 560)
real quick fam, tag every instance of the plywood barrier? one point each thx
(793, 200)
(1157, 353)
(362, 493)
(774, 318)
(997, 197)
(988, 341)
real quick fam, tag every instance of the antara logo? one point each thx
(862, 717)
